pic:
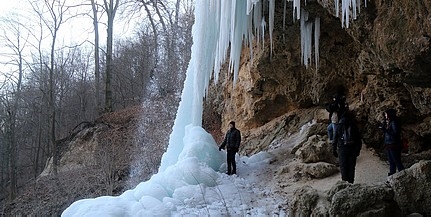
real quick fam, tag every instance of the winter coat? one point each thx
(232, 140)
(347, 136)
(392, 133)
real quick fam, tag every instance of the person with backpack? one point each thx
(346, 144)
(231, 142)
(392, 141)
(337, 105)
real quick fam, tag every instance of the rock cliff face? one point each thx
(383, 60)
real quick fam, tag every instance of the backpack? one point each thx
(338, 104)
(351, 136)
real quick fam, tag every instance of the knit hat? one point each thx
(392, 113)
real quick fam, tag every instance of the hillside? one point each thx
(104, 157)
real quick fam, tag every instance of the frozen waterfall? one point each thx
(192, 159)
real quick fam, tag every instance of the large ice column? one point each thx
(205, 36)
(218, 26)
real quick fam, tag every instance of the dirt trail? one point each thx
(369, 170)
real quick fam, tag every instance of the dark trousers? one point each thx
(394, 158)
(347, 160)
(231, 165)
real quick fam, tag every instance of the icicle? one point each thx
(337, 8)
(250, 5)
(263, 26)
(358, 6)
(284, 14)
(302, 24)
(297, 9)
(345, 5)
(354, 8)
(250, 34)
(271, 24)
(238, 33)
(250, 38)
(223, 26)
(306, 32)
(316, 41)
(257, 20)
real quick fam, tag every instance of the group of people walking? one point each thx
(344, 137)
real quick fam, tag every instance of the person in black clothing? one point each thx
(392, 140)
(337, 106)
(231, 142)
(346, 145)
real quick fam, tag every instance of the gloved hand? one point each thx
(334, 152)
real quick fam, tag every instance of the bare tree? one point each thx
(57, 90)
(95, 11)
(52, 14)
(111, 9)
(15, 40)
(171, 35)
(38, 99)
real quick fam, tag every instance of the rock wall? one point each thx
(382, 60)
(404, 194)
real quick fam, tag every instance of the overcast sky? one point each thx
(77, 31)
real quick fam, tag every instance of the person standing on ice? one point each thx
(231, 142)
(346, 145)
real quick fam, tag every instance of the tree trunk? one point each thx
(14, 153)
(96, 57)
(111, 9)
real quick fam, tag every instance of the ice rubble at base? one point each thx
(192, 161)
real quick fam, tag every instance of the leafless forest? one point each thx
(47, 87)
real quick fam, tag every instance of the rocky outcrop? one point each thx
(307, 148)
(315, 149)
(412, 188)
(405, 193)
(382, 60)
(304, 201)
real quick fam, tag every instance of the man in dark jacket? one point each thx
(231, 142)
(347, 145)
(337, 106)
(392, 139)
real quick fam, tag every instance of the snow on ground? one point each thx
(197, 186)
(255, 191)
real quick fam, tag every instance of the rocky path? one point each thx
(279, 187)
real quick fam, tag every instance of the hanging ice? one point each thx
(306, 38)
(297, 9)
(271, 23)
(316, 41)
(348, 7)
(219, 24)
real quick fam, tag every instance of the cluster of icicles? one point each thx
(230, 24)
